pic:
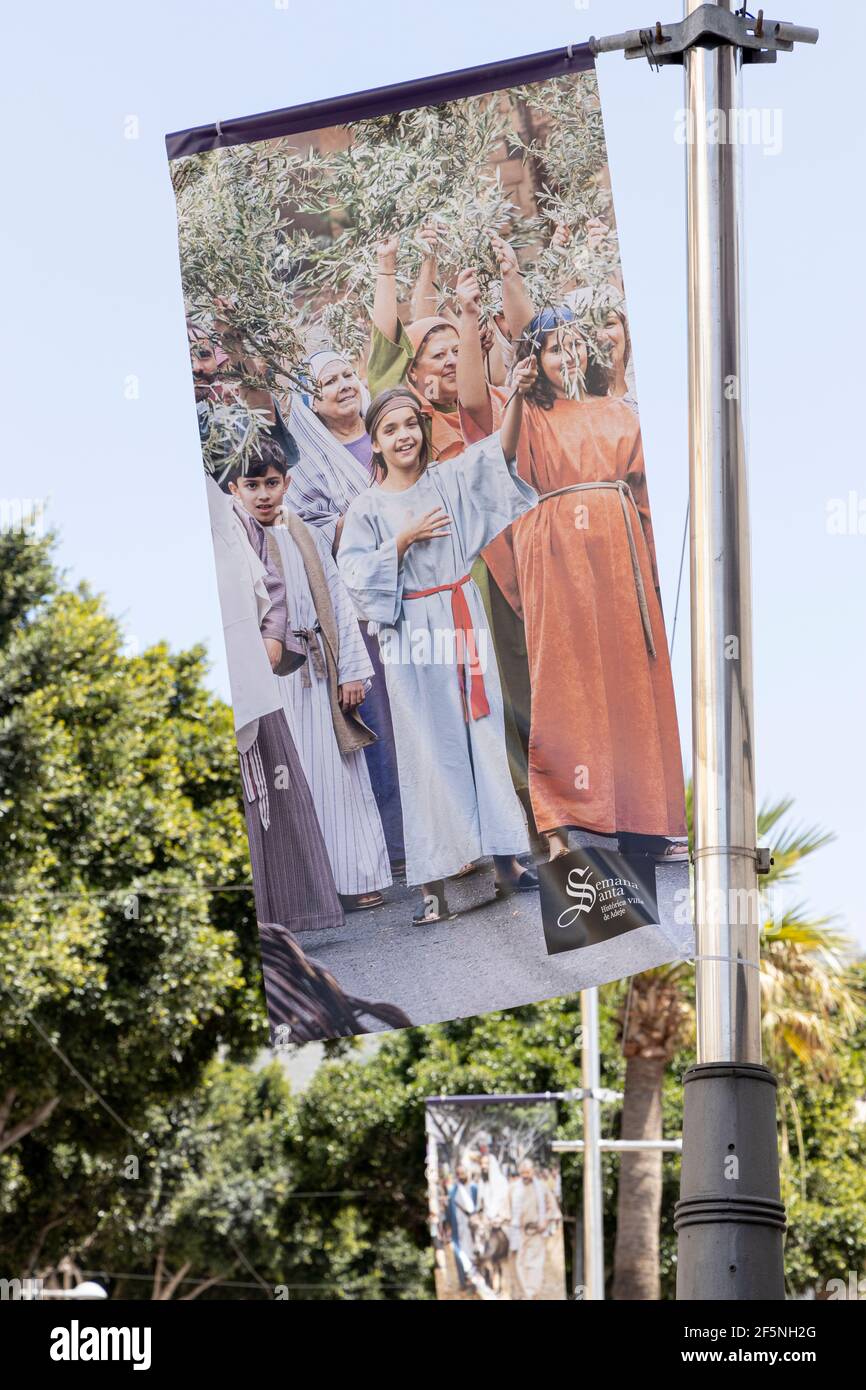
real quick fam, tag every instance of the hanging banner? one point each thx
(414, 381)
(495, 1199)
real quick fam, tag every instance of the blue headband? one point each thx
(548, 320)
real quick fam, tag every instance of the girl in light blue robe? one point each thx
(405, 555)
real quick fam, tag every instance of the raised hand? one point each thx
(525, 375)
(596, 231)
(427, 239)
(386, 253)
(505, 255)
(468, 293)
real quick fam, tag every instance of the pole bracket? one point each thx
(709, 26)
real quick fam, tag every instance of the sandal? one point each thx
(524, 883)
(422, 919)
(361, 902)
(673, 853)
(465, 871)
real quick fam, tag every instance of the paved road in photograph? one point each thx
(491, 955)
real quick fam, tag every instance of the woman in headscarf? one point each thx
(422, 356)
(405, 557)
(334, 467)
(604, 752)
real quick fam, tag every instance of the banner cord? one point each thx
(680, 579)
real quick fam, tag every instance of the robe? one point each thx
(604, 749)
(462, 1203)
(339, 782)
(389, 362)
(533, 1212)
(458, 800)
(292, 878)
(326, 478)
(493, 1193)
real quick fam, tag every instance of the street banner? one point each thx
(425, 479)
(495, 1199)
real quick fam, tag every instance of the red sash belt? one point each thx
(467, 650)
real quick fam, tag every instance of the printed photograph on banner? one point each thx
(414, 380)
(495, 1200)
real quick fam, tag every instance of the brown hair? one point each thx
(597, 377)
(385, 402)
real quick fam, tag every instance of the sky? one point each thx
(99, 417)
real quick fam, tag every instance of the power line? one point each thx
(131, 892)
(231, 1283)
(91, 1090)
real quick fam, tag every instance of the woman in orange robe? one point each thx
(604, 752)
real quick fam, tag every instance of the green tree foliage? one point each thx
(205, 1209)
(118, 796)
(206, 1178)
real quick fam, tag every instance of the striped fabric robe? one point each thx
(339, 782)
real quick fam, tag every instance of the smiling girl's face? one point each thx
(564, 357)
(434, 369)
(399, 439)
(339, 396)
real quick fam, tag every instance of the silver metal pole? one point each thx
(593, 1196)
(726, 897)
(729, 1218)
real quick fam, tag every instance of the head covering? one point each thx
(327, 476)
(397, 398)
(421, 329)
(547, 321)
(318, 361)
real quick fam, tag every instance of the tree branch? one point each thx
(38, 1117)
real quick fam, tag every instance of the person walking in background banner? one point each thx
(493, 1198)
(462, 1205)
(321, 699)
(405, 554)
(534, 1217)
(335, 466)
(604, 752)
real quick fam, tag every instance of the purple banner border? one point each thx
(381, 101)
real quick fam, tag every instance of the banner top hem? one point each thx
(379, 101)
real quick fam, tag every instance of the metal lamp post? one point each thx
(730, 1220)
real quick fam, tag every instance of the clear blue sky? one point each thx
(93, 296)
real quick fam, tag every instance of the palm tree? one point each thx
(810, 1007)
